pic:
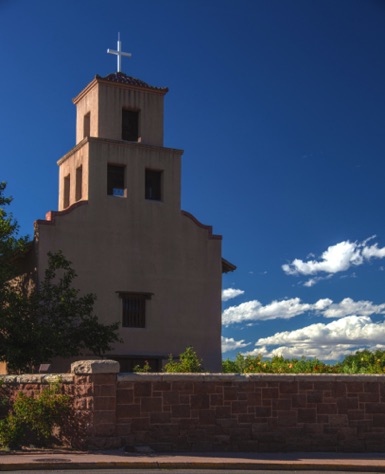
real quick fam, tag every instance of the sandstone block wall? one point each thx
(208, 412)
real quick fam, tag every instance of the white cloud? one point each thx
(230, 293)
(325, 353)
(313, 281)
(325, 341)
(373, 252)
(254, 311)
(348, 307)
(337, 258)
(230, 344)
(289, 308)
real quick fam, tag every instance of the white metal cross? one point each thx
(119, 53)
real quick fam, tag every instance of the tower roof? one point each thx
(122, 78)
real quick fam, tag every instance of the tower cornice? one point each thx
(119, 143)
(121, 80)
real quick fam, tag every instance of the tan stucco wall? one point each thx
(146, 249)
(105, 101)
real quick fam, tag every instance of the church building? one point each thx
(153, 267)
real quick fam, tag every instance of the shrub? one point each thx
(362, 362)
(31, 421)
(188, 362)
(146, 368)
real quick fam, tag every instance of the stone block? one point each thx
(151, 405)
(104, 403)
(104, 417)
(262, 412)
(143, 389)
(270, 392)
(181, 411)
(369, 397)
(327, 408)
(160, 418)
(95, 367)
(201, 401)
(307, 415)
(238, 407)
(105, 390)
(207, 417)
(125, 397)
(128, 411)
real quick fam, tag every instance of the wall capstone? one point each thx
(82, 367)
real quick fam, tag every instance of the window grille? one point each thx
(134, 309)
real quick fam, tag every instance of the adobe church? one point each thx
(153, 267)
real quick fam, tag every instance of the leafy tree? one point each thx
(52, 319)
(10, 246)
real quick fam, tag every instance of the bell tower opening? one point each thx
(87, 125)
(130, 125)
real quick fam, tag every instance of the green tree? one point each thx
(53, 319)
(10, 246)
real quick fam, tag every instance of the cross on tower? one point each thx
(119, 53)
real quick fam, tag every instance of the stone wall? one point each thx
(206, 412)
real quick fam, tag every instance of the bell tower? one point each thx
(119, 107)
(119, 146)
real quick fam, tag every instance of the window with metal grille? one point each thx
(115, 180)
(153, 185)
(134, 309)
(130, 125)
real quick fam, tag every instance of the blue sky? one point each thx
(280, 108)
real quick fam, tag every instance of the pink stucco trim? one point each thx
(51, 215)
(203, 226)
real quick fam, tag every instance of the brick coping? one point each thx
(37, 378)
(189, 377)
(211, 377)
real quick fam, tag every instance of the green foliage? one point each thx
(188, 362)
(4, 399)
(11, 247)
(362, 362)
(52, 319)
(31, 421)
(277, 365)
(143, 369)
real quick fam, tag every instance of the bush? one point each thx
(362, 362)
(31, 421)
(146, 368)
(188, 362)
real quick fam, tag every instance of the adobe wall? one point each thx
(208, 412)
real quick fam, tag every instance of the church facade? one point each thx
(153, 267)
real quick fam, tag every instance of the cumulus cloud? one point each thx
(325, 341)
(337, 258)
(230, 293)
(230, 344)
(252, 311)
(348, 307)
(255, 311)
